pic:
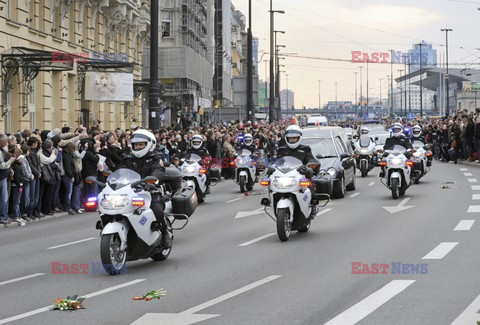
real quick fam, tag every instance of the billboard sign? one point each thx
(109, 86)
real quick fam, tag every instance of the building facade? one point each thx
(287, 99)
(425, 50)
(37, 93)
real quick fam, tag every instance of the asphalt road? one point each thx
(227, 270)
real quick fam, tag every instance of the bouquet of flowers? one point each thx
(155, 294)
(69, 303)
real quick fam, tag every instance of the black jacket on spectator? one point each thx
(89, 163)
(68, 165)
(34, 161)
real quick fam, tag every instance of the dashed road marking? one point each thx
(372, 183)
(464, 225)
(467, 174)
(355, 194)
(473, 209)
(256, 240)
(472, 180)
(440, 251)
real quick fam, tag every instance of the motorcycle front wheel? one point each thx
(113, 258)
(284, 228)
(163, 255)
(394, 187)
(242, 184)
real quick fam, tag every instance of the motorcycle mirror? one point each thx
(90, 180)
(150, 179)
(344, 156)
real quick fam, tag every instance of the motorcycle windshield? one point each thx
(417, 144)
(287, 164)
(244, 152)
(364, 141)
(193, 158)
(397, 149)
(123, 177)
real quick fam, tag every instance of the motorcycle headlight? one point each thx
(396, 162)
(417, 154)
(188, 169)
(332, 171)
(284, 182)
(114, 201)
(364, 151)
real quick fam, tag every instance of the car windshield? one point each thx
(193, 158)
(244, 152)
(123, 177)
(321, 147)
(287, 164)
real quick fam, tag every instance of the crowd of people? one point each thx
(43, 172)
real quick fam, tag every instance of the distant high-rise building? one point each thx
(427, 52)
(287, 99)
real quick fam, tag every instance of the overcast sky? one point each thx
(332, 29)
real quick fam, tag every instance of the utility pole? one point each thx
(154, 88)
(447, 112)
(286, 75)
(421, 81)
(391, 83)
(356, 98)
(401, 97)
(319, 95)
(405, 88)
(367, 88)
(380, 91)
(266, 85)
(250, 106)
(336, 102)
(361, 92)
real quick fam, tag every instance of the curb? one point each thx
(469, 163)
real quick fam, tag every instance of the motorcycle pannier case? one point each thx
(173, 177)
(184, 201)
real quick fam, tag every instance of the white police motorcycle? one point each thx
(194, 174)
(421, 163)
(245, 170)
(365, 150)
(398, 170)
(129, 229)
(291, 194)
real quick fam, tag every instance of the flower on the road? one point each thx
(69, 303)
(154, 294)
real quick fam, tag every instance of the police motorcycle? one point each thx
(195, 175)
(421, 163)
(397, 170)
(245, 170)
(129, 228)
(365, 151)
(291, 193)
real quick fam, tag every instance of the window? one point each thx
(166, 24)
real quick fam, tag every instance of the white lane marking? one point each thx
(463, 169)
(475, 187)
(72, 243)
(323, 212)
(355, 194)
(469, 315)
(238, 198)
(230, 295)
(371, 183)
(473, 209)
(90, 295)
(21, 278)
(467, 174)
(472, 180)
(256, 239)
(464, 225)
(371, 303)
(475, 196)
(440, 251)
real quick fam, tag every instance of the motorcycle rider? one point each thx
(144, 159)
(247, 143)
(293, 136)
(417, 134)
(397, 138)
(197, 147)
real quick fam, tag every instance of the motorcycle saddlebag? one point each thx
(215, 172)
(185, 201)
(173, 177)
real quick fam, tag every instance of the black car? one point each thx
(332, 148)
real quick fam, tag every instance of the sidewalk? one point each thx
(469, 163)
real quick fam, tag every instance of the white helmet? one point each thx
(416, 131)
(397, 130)
(197, 141)
(364, 130)
(248, 139)
(293, 136)
(146, 137)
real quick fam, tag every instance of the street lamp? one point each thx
(381, 79)
(421, 81)
(286, 75)
(361, 92)
(446, 30)
(401, 98)
(391, 83)
(356, 98)
(250, 105)
(319, 98)
(277, 81)
(336, 102)
(271, 112)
